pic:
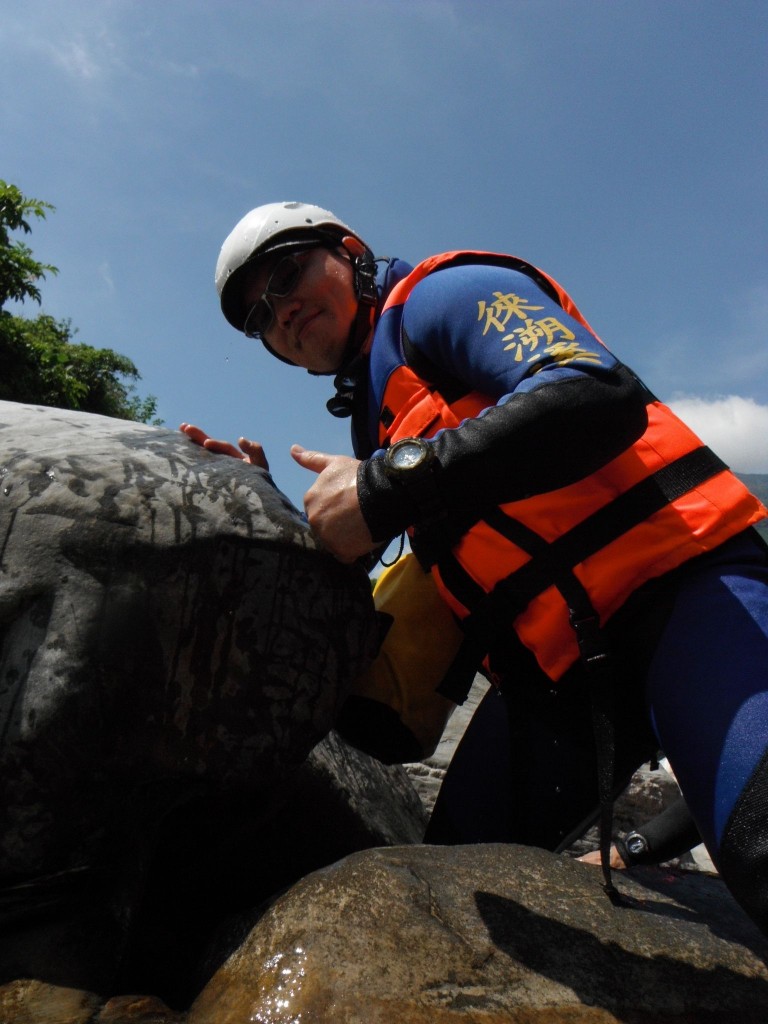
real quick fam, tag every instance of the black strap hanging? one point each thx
(601, 679)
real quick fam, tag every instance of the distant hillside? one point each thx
(758, 484)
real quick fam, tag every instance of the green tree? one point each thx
(19, 272)
(39, 361)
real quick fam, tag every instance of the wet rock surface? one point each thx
(476, 934)
(218, 857)
(490, 934)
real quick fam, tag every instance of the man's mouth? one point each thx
(304, 322)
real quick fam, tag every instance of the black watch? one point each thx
(411, 463)
(636, 845)
(408, 459)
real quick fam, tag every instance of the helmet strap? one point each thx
(364, 282)
(353, 372)
(364, 271)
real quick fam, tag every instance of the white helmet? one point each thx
(269, 227)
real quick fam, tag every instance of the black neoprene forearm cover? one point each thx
(669, 834)
(536, 441)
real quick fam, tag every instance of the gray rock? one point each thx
(490, 934)
(34, 1002)
(168, 627)
(380, 798)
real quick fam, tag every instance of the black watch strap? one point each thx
(417, 477)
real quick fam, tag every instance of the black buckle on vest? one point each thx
(589, 636)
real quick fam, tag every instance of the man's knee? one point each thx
(743, 859)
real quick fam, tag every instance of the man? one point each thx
(601, 560)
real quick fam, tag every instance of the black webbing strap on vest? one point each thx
(600, 670)
(552, 564)
(457, 681)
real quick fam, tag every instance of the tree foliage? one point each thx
(39, 361)
(19, 271)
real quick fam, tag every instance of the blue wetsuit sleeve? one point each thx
(560, 405)
(497, 331)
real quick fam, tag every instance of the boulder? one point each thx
(169, 628)
(478, 934)
(489, 934)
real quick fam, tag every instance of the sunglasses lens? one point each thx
(258, 320)
(281, 283)
(284, 277)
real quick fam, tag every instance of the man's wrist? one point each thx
(411, 463)
(401, 488)
(386, 510)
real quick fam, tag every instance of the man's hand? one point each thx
(615, 859)
(248, 451)
(332, 505)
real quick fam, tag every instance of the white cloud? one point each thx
(76, 58)
(735, 428)
(106, 275)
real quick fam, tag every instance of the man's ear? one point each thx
(353, 245)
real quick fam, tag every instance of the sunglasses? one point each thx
(281, 283)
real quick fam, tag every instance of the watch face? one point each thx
(407, 455)
(636, 844)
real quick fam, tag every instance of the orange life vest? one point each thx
(538, 564)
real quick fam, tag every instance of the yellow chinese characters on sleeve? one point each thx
(546, 339)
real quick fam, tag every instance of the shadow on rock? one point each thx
(633, 986)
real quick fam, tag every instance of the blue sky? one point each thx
(621, 146)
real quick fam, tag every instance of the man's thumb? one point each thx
(315, 461)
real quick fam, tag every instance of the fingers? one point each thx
(248, 451)
(253, 452)
(314, 461)
(194, 433)
(615, 859)
(332, 505)
(223, 448)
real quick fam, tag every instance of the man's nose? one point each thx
(286, 307)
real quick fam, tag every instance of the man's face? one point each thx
(311, 325)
